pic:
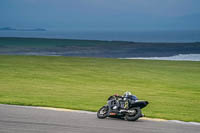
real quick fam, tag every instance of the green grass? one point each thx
(171, 87)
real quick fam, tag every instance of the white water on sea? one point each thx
(180, 57)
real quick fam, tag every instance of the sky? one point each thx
(101, 14)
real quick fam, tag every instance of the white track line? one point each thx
(143, 118)
(183, 122)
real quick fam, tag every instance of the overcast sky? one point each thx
(101, 14)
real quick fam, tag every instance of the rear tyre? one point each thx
(102, 113)
(134, 115)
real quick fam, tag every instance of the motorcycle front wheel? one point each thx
(102, 113)
(133, 115)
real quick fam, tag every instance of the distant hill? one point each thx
(7, 28)
(14, 29)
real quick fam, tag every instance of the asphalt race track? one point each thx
(20, 119)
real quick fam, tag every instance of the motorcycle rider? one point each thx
(126, 97)
(127, 107)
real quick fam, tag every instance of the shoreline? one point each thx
(170, 58)
(179, 57)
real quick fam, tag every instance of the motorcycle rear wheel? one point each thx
(102, 113)
(133, 116)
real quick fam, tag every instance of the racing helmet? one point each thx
(126, 94)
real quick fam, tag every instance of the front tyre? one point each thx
(102, 113)
(133, 114)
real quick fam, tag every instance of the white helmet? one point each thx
(126, 94)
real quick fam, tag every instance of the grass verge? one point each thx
(171, 87)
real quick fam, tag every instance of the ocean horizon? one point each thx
(169, 36)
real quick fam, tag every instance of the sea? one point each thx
(135, 36)
(159, 36)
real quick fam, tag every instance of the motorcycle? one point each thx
(123, 108)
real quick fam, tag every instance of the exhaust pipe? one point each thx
(127, 111)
